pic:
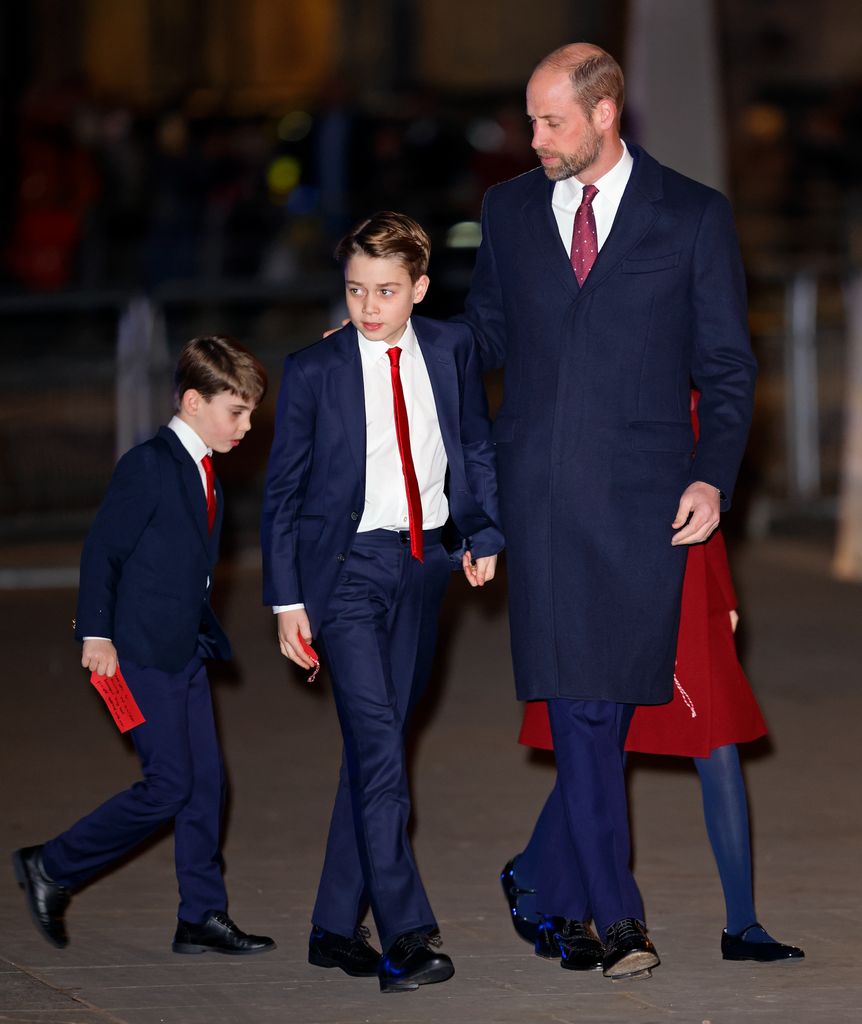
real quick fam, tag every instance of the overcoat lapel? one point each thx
(539, 217)
(636, 215)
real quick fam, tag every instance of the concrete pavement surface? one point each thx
(476, 796)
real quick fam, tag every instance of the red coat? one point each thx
(712, 703)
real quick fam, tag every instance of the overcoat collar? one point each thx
(636, 214)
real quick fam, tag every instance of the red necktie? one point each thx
(402, 431)
(585, 246)
(207, 463)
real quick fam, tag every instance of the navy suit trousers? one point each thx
(379, 635)
(586, 868)
(183, 780)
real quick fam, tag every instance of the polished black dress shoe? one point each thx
(353, 954)
(547, 944)
(580, 949)
(412, 961)
(737, 947)
(218, 934)
(629, 953)
(47, 901)
(526, 929)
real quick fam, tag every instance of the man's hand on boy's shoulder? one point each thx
(291, 625)
(332, 330)
(99, 656)
(481, 571)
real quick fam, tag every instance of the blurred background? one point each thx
(176, 167)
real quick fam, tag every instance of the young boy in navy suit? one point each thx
(382, 436)
(144, 602)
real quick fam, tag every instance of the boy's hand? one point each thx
(99, 656)
(698, 513)
(481, 571)
(289, 624)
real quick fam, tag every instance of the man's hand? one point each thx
(481, 571)
(99, 656)
(289, 624)
(698, 513)
(332, 330)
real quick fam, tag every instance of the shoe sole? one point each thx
(431, 976)
(23, 880)
(190, 947)
(761, 960)
(638, 964)
(324, 961)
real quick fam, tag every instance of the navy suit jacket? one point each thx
(148, 558)
(315, 492)
(594, 439)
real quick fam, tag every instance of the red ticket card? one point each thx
(115, 692)
(308, 650)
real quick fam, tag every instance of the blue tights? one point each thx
(725, 809)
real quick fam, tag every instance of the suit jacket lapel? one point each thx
(350, 394)
(193, 492)
(444, 384)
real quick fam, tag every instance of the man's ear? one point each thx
(604, 114)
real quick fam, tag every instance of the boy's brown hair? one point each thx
(388, 235)
(215, 363)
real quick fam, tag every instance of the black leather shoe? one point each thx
(218, 934)
(411, 961)
(526, 929)
(737, 947)
(580, 949)
(628, 951)
(547, 944)
(46, 899)
(354, 954)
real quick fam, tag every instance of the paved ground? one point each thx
(476, 795)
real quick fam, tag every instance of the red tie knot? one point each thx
(590, 193)
(394, 354)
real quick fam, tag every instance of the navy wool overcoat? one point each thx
(594, 441)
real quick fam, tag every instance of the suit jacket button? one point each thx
(339, 557)
(354, 516)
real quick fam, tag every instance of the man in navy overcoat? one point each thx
(606, 286)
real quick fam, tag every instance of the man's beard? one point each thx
(571, 164)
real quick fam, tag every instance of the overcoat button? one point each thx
(339, 557)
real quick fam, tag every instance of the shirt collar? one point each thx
(374, 350)
(611, 185)
(189, 438)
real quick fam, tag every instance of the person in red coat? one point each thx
(712, 710)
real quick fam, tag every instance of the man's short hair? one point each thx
(215, 363)
(388, 235)
(593, 78)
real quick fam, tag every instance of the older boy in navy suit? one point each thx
(144, 600)
(382, 434)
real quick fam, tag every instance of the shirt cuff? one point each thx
(276, 608)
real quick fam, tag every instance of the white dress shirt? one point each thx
(194, 445)
(385, 490)
(567, 196)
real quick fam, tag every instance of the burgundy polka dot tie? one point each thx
(585, 246)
